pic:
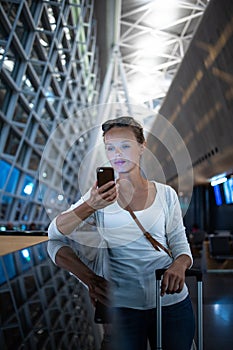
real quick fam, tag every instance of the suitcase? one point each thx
(189, 273)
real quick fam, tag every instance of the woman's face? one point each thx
(122, 149)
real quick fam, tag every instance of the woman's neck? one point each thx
(135, 191)
(134, 179)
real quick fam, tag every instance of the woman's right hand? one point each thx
(103, 196)
(99, 290)
(98, 286)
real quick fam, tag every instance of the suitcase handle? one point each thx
(191, 272)
(188, 273)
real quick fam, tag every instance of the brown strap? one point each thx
(151, 239)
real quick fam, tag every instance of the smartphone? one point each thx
(103, 313)
(104, 175)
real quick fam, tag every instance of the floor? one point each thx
(217, 308)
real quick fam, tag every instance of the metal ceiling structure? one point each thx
(151, 38)
(141, 45)
(154, 38)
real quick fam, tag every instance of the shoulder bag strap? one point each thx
(157, 245)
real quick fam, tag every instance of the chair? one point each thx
(220, 247)
(196, 239)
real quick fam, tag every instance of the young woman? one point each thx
(132, 258)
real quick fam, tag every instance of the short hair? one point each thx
(125, 122)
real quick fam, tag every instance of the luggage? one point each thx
(189, 273)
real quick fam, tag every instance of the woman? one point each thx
(132, 259)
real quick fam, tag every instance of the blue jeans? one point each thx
(133, 328)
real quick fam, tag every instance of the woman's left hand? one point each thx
(174, 277)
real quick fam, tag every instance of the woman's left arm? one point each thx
(174, 277)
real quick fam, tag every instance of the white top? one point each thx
(132, 258)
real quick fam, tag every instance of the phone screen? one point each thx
(104, 175)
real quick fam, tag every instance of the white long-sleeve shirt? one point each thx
(132, 258)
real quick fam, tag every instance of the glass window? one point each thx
(47, 119)
(11, 10)
(38, 67)
(51, 97)
(28, 83)
(41, 138)
(8, 179)
(41, 192)
(8, 261)
(22, 154)
(21, 113)
(24, 259)
(22, 28)
(9, 61)
(3, 87)
(30, 96)
(12, 143)
(34, 161)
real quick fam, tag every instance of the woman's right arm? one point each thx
(97, 285)
(99, 198)
(67, 222)
(63, 255)
(64, 224)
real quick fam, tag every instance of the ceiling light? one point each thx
(150, 45)
(28, 188)
(218, 181)
(164, 12)
(60, 197)
(8, 64)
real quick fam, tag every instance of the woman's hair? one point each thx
(125, 122)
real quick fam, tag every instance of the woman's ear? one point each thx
(142, 147)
